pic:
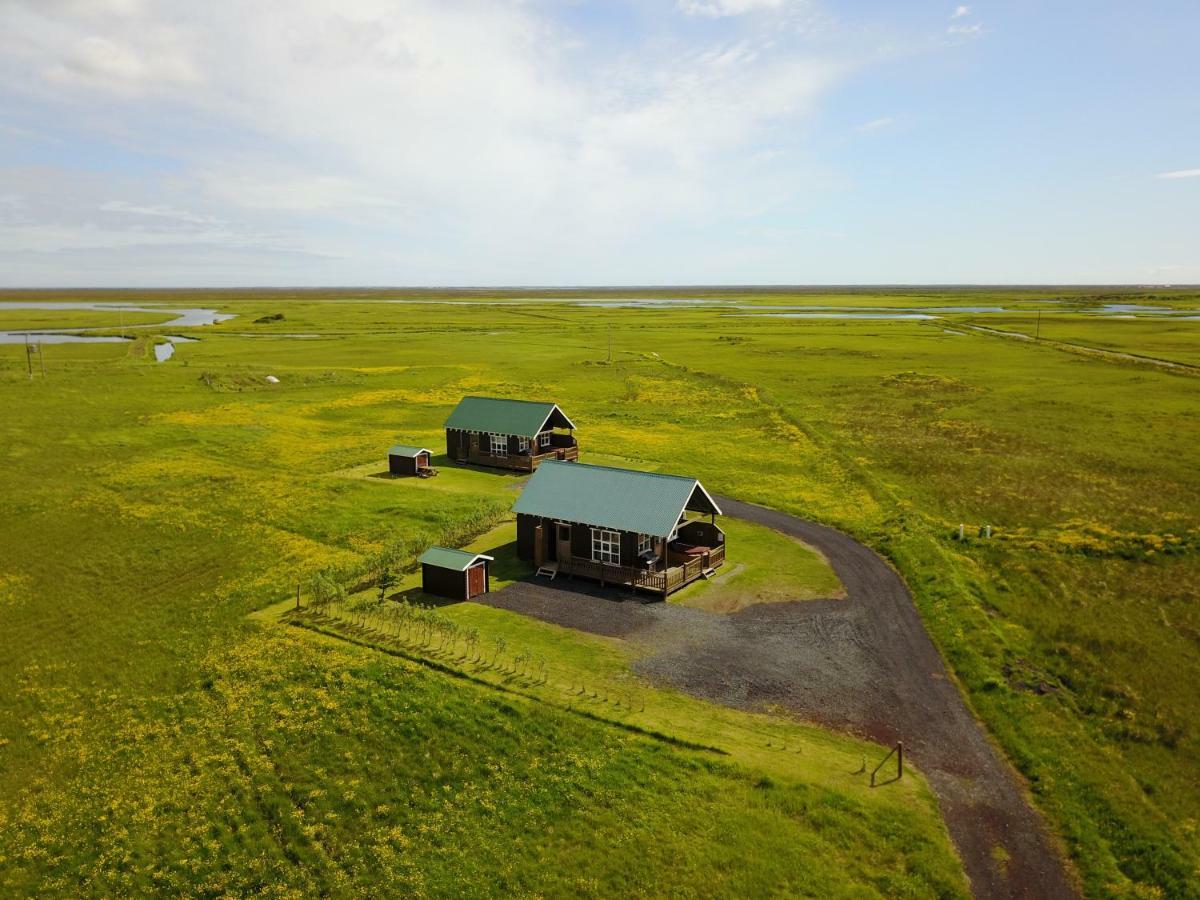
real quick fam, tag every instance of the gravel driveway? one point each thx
(864, 664)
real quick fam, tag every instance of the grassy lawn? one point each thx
(1169, 338)
(763, 566)
(571, 670)
(23, 319)
(151, 507)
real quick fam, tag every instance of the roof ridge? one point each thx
(509, 400)
(583, 465)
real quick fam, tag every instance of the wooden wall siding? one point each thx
(478, 450)
(629, 572)
(629, 544)
(451, 584)
(402, 465)
(702, 534)
(443, 582)
(581, 541)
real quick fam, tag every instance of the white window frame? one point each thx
(498, 445)
(606, 546)
(544, 439)
(645, 544)
(522, 443)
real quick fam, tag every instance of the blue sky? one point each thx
(379, 142)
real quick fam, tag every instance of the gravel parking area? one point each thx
(864, 664)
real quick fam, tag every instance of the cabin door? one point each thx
(562, 534)
(475, 580)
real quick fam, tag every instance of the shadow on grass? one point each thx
(499, 471)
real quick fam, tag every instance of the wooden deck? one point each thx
(521, 462)
(663, 582)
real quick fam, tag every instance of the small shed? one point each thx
(457, 574)
(405, 460)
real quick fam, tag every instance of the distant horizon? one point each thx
(771, 288)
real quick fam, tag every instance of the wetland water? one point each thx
(184, 318)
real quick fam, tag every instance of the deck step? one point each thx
(549, 571)
(709, 573)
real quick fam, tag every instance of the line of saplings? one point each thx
(382, 570)
(434, 634)
(426, 636)
(421, 630)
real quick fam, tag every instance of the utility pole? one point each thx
(610, 344)
(28, 361)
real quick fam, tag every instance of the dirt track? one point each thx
(864, 664)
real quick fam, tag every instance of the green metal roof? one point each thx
(520, 417)
(406, 450)
(645, 502)
(447, 558)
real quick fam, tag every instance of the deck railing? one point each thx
(662, 582)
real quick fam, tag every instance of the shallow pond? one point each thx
(185, 318)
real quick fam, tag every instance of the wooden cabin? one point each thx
(509, 434)
(619, 526)
(406, 460)
(456, 574)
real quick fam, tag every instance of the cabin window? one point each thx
(499, 444)
(522, 444)
(606, 546)
(544, 439)
(644, 543)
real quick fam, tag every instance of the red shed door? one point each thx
(475, 580)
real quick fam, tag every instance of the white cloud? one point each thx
(160, 211)
(721, 8)
(114, 46)
(960, 11)
(1181, 173)
(480, 134)
(965, 31)
(877, 124)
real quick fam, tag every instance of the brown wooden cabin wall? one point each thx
(629, 542)
(402, 465)
(526, 534)
(443, 582)
(581, 541)
(702, 534)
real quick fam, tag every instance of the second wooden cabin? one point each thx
(509, 434)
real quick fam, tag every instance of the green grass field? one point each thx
(150, 508)
(765, 567)
(12, 319)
